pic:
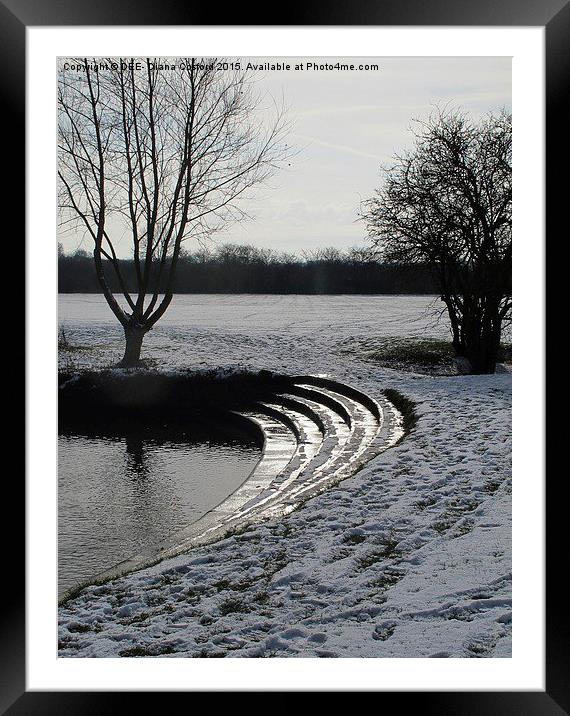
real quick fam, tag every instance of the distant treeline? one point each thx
(235, 268)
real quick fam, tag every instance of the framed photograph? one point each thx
(296, 441)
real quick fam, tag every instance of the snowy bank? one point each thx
(410, 557)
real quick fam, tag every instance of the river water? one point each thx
(118, 494)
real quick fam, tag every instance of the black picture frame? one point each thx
(15, 17)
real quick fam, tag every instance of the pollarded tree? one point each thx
(447, 203)
(161, 151)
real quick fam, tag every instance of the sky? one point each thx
(345, 126)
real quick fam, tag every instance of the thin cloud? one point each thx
(339, 147)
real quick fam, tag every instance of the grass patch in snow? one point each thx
(136, 651)
(387, 579)
(65, 345)
(353, 539)
(430, 356)
(492, 486)
(464, 528)
(405, 406)
(481, 648)
(67, 350)
(275, 563)
(453, 513)
(286, 531)
(383, 632)
(370, 559)
(146, 651)
(76, 628)
(441, 526)
(232, 606)
(138, 618)
(428, 352)
(205, 654)
(223, 585)
(425, 502)
(388, 551)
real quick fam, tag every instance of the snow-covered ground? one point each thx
(408, 558)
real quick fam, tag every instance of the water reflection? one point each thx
(119, 494)
(135, 457)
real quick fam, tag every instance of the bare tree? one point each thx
(447, 203)
(161, 151)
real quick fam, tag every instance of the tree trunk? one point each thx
(481, 361)
(455, 322)
(133, 344)
(482, 345)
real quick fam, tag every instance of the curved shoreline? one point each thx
(315, 434)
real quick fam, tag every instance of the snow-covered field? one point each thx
(408, 558)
